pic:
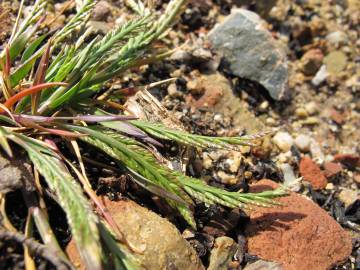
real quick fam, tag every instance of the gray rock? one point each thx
(251, 51)
(101, 11)
(222, 253)
(180, 55)
(263, 265)
(15, 173)
(202, 54)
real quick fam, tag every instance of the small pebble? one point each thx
(227, 178)
(172, 90)
(348, 196)
(311, 108)
(264, 106)
(234, 162)
(283, 140)
(180, 55)
(335, 62)
(207, 161)
(284, 157)
(331, 169)
(301, 113)
(311, 61)
(303, 143)
(311, 172)
(356, 178)
(248, 175)
(187, 234)
(101, 11)
(311, 121)
(329, 186)
(336, 38)
(320, 76)
(316, 151)
(270, 121)
(290, 181)
(218, 118)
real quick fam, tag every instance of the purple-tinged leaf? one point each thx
(59, 132)
(40, 77)
(131, 130)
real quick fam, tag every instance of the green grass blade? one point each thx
(23, 70)
(133, 156)
(32, 48)
(158, 130)
(82, 220)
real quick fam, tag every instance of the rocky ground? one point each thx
(288, 67)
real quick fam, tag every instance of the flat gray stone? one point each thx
(251, 51)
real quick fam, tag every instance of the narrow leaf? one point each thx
(32, 48)
(11, 101)
(82, 220)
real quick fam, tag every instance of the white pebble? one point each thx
(290, 181)
(303, 142)
(283, 140)
(311, 108)
(316, 152)
(348, 196)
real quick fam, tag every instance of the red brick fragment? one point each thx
(331, 169)
(311, 172)
(300, 235)
(337, 117)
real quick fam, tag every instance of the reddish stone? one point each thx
(312, 173)
(357, 178)
(210, 98)
(207, 90)
(349, 160)
(312, 61)
(337, 117)
(331, 169)
(299, 235)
